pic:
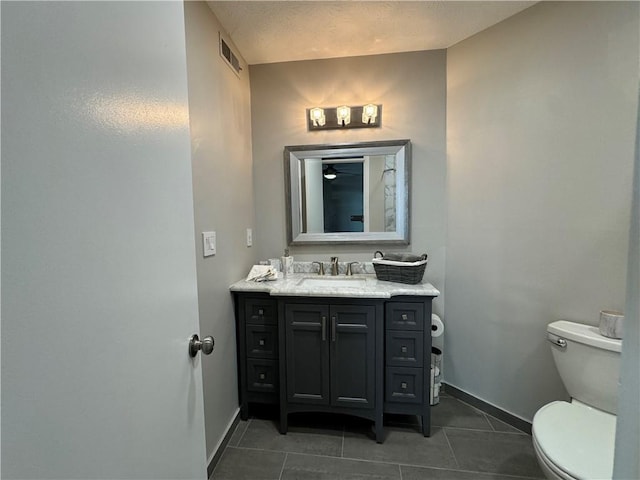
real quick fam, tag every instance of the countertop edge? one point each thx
(288, 287)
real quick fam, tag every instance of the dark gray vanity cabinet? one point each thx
(333, 357)
(330, 354)
(408, 358)
(356, 356)
(257, 342)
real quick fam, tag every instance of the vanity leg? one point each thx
(284, 423)
(379, 434)
(426, 425)
(244, 411)
(379, 427)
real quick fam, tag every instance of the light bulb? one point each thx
(343, 113)
(317, 116)
(369, 113)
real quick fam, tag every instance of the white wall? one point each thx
(223, 202)
(540, 133)
(411, 88)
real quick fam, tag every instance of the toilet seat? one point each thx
(574, 440)
(550, 470)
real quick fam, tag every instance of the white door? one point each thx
(98, 253)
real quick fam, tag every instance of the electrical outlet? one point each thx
(249, 237)
(209, 243)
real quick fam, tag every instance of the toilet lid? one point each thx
(578, 439)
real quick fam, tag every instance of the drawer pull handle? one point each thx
(403, 349)
(261, 342)
(403, 385)
(404, 317)
(262, 376)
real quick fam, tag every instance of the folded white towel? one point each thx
(262, 273)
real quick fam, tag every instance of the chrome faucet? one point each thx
(334, 265)
(349, 269)
(320, 267)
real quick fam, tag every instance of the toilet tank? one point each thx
(588, 363)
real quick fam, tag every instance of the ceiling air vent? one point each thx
(229, 56)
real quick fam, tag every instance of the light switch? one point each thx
(209, 243)
(249, 237)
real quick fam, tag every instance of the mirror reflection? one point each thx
(348, 193)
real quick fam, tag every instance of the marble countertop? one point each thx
(313, 285)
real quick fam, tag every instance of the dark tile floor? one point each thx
(465, 444)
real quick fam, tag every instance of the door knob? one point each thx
(195, 344)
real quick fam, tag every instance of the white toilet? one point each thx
(576, 440)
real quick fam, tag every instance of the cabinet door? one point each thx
(307, 330)
(352, 349)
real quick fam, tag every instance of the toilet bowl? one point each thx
(575, 440)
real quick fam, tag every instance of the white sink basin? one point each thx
(332, 282)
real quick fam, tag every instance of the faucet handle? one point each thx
(349, 272)
(320, 267)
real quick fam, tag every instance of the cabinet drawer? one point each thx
(262, 375)
(261, 311)
(262, 341)
(405, 316)
(403, 385)
(404, 348)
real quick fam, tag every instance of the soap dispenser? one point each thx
(287, 263)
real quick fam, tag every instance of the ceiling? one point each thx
(282, 31)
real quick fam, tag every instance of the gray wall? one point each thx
(411, 88)
(540, 134)
(223, 202)
(627, 460)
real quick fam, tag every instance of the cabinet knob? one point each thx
(260, 312)
(261, 342)
(403, 349)
(405, 317)
(403, 385)
(262, 376)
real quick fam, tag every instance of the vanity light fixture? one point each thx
(344, 116)
(317, 116)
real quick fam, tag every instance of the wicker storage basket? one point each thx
(399, 267)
